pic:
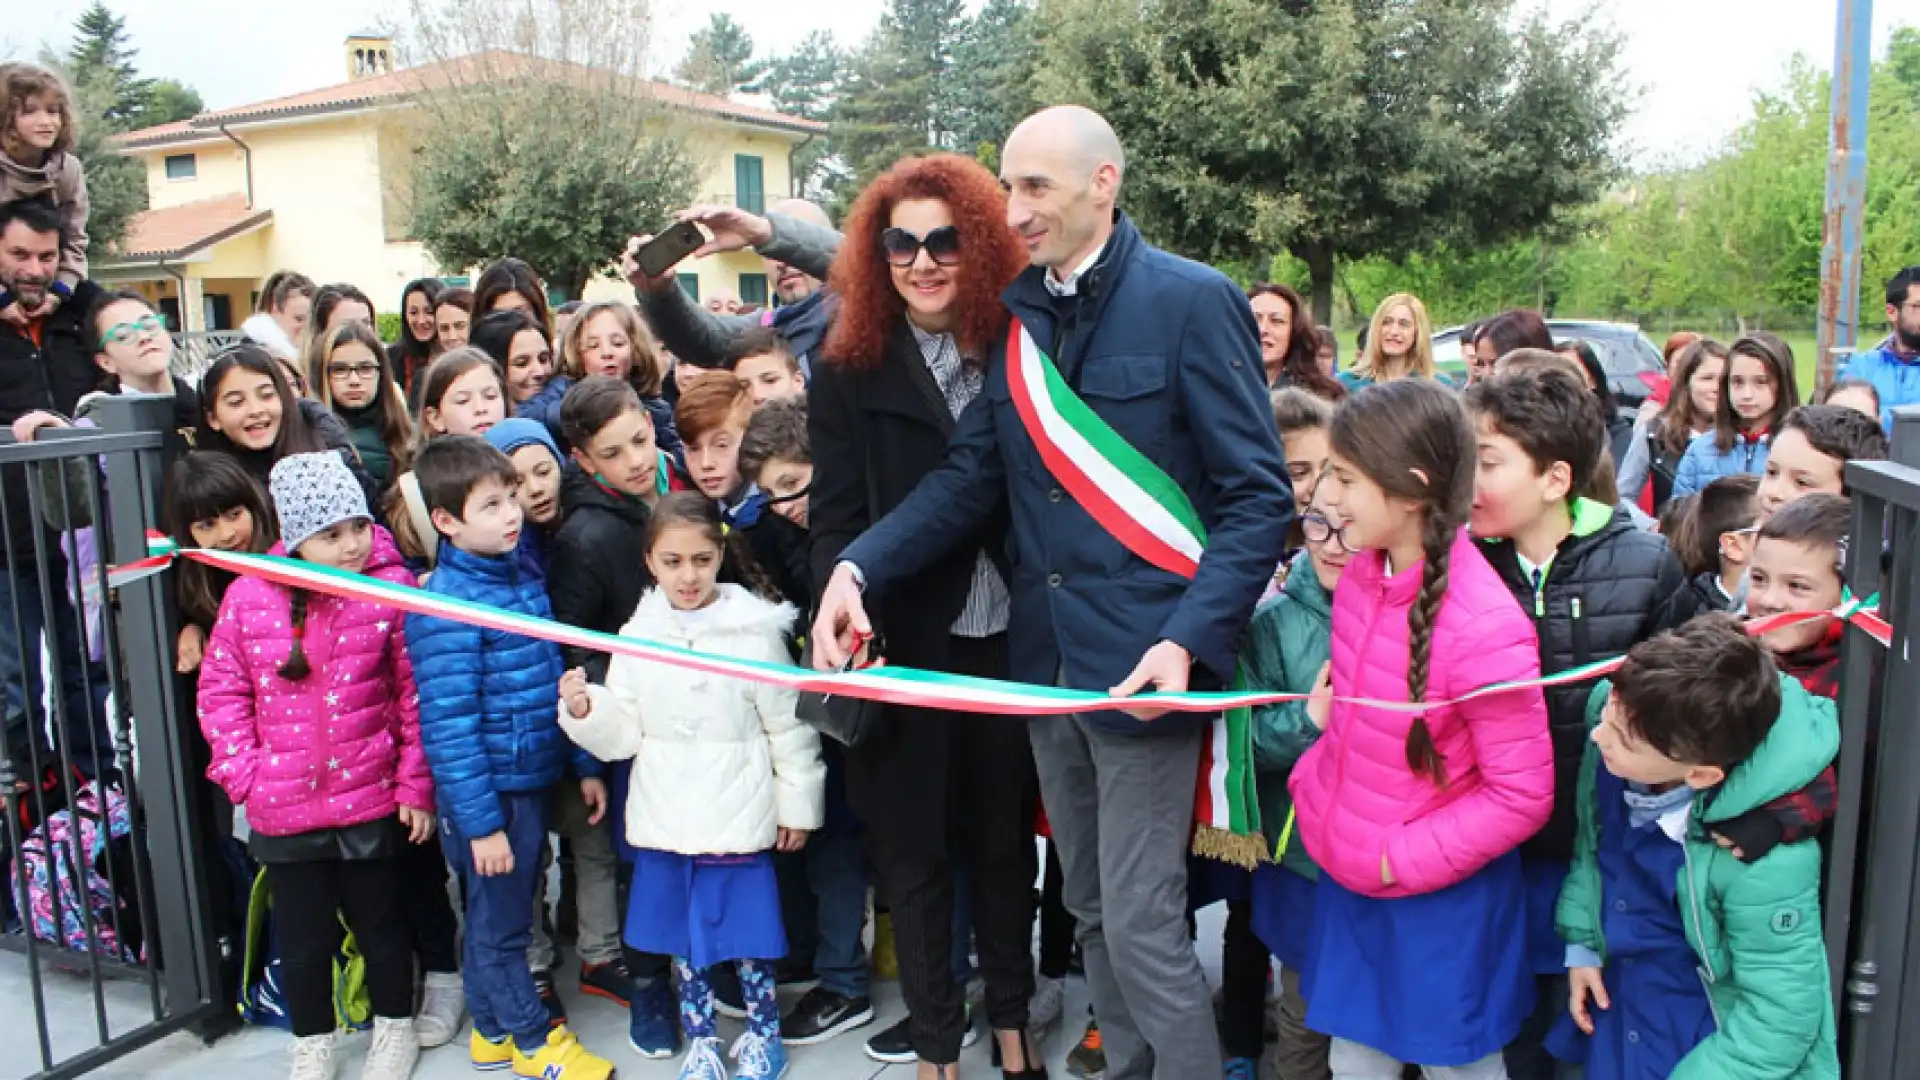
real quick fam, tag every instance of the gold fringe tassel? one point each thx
(1245, 852)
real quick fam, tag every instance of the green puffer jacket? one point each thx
(1755, 927)
(1285, 646)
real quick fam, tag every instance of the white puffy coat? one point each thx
(719, 764)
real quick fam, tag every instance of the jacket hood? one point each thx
(384, 556)
(1804, 741)
(734, 611)
(1303, 587)
(42, 175)
(579, 491)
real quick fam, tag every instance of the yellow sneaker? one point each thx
(886, 962)
(562, 1058)
(487, 1055)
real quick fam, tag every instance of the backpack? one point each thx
(261, 999)
(101, 877)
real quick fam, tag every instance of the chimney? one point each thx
(369, 54)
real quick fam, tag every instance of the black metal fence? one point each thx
(109, 872)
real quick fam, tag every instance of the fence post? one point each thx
(148, 625)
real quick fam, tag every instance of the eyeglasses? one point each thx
(942, 246)
(365, 370)
(121, 333)
(782, 500)
(1319, 530)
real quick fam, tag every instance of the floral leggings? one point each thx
(756, 987)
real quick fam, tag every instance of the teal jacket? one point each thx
(1285, 646)
(1755, 927)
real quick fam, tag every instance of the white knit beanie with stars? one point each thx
(313, 493)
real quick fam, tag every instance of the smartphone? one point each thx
(663, 252)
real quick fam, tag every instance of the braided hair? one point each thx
(296, 667)
(1412, 437)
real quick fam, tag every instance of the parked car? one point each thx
(1635, 368)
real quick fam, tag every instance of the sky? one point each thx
(1696, 62)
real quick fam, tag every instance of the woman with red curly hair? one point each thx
(919, 274)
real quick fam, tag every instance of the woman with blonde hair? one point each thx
(1399, 344)
(607, 338)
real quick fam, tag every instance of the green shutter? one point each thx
(749, 184)
(690, 283)
(753, 289)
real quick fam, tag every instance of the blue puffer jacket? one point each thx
(545, 408)
(1705, 462)
(489, 700)
(1894, 377)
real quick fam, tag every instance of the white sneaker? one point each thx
(313, 1057)
(443, 1010)
(395, 1050)
(1045, 1007)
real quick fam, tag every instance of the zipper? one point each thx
(1582, 647)
(1705, 967)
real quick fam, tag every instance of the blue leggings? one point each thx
(757, 989)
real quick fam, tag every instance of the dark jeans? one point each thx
(1244, 967)
(85, 735)
(823, 898)
(500, 991)
(991, 825)
(1056, 922)
(308, 900)
(431, 924)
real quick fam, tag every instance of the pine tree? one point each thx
(101, 56)
(719, 58)
(805, 83)
(988, 90)
(891, 103)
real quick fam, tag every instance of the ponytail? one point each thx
(296, 667)
(1436, 537)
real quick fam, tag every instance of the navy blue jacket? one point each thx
(489, 700)
(1165, 351)
(545, 408)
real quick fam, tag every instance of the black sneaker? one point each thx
(728, 999)
(791, 976)
(550, 997)
(895, 1047)
(823, 1014)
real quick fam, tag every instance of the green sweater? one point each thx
(1755, 927)
(1285, 646)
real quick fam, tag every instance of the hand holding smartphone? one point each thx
(665, 251)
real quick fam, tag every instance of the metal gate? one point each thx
(110, 916)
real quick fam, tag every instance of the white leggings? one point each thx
(1352, 1061)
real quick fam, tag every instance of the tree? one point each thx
(101, 56)
(719, 58)
(805, 83)
(989, 86)
(1344, 128)
(537, 134)
(169, 100)
(890, 104)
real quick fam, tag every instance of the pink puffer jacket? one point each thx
(1357, 797)
(339, 747)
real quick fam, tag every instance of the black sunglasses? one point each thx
(795, 496)
(942, 246)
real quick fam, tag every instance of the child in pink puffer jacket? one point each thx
(308, 703)
(1415, 817)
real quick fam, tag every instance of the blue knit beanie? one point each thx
(510, 435)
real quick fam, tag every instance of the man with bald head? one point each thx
(796, 242)
(1165, 352)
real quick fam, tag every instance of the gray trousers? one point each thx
(596, 871)
(1121, 808)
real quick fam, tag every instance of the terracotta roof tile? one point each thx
(365, 93)
(182, 230)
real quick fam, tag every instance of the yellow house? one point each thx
(304, 183)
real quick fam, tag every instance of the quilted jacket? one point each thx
(1755, 927)
(488, 697)
(719, 765)
(1355, 796)
(1705, 462)
(1284, 648)
(339, 747)
(1608, 587)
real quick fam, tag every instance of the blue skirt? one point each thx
(1283, 915)
(705, 908)
(1438, 979)
(1546, 953)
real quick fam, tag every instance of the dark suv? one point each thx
(1634, 364)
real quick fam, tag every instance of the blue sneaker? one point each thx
(760, 1058)
(1242, 1069)
(703, 1061)
(652, 1030)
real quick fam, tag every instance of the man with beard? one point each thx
(45, 365)
(1894, 367)
(795, 240)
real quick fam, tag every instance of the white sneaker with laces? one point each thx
(395, 1050)
(443, 1009)
(1045, 1007)
(313, 1056)
(703, 1061)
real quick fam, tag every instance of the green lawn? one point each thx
(1804, 354)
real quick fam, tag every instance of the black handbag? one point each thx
(846, 720)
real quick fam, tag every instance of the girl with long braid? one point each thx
(1414, 813)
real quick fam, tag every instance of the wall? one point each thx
(219, 168)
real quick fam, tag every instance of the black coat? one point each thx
(1604, 593)
(597, 568)
(875, 434)
(51, 375)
